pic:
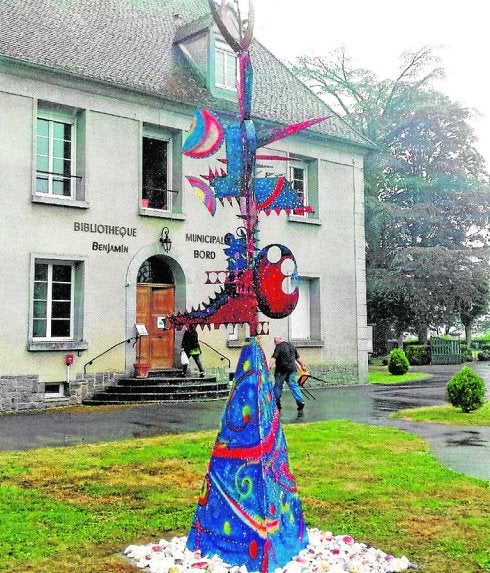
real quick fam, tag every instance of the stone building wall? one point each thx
(25, 392)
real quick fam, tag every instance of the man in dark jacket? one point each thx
(285, 359)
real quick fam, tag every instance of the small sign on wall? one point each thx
(141, 329)
(161, 322)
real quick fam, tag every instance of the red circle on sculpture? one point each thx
(269, 279)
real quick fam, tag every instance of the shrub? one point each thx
(484, 355)
(410, 342)
(418, 354)
(398, 362)
(466, 390)
(466, 355)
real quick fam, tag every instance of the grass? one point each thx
(446, 414)
(380, 375)
(75, 508)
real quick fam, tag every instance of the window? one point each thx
(54, 390)
(237, 333)
(54, 158)
(60, 155)
(298, 175)
(156, 173)
(303, 175)
(161, 172)
(301, 319)
(56, 321)
(53, 301)
(225, 67)
(304, 321)
(233, 332)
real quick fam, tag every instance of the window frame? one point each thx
(303, 166)
(54, 395)
(75, 340)
(314, 339)
(311, 191)
(222, 49)
(52, 175)
(237, 335)
(233, 332)
(173, 141)
(50, 302)
(76, 119)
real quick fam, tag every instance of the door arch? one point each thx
(155, 299)
(180, 284)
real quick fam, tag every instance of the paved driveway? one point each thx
(464, 449)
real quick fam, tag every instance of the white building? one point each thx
(95, 99)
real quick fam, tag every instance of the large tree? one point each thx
(427, 194)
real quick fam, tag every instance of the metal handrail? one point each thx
(125, 341)
(223, 357)
(128, 340)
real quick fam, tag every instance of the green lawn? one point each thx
(74, 509)
(380, 375)
(447, 414)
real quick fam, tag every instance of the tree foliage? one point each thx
(427, 191)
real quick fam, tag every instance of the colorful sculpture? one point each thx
(252, 282)
(248, 512)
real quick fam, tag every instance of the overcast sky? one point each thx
(375, 33)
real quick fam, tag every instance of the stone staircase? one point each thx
(161, 386)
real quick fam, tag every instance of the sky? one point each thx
(377, 32)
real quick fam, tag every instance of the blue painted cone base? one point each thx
(248, 511)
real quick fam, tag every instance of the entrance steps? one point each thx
(161, 386)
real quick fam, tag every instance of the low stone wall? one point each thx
(21, 393)
(331, 374)
(27, 393)
(222, 375)
(86, 385)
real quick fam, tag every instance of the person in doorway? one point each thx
(190, 345)
(285, 359)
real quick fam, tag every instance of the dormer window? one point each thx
(211, 57)
(225, 67)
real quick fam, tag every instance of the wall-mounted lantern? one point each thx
(165, 240)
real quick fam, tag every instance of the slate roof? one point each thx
(130, 43)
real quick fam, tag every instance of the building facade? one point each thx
(102, 231)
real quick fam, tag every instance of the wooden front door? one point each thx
(153, 301)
